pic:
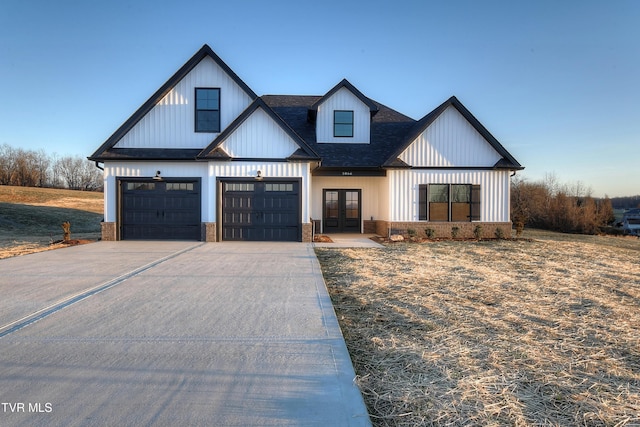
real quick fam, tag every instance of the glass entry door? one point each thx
(342, 211)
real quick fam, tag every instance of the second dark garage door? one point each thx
(261, 210)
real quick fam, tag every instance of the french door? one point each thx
(342, 211)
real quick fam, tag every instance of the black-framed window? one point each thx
(342, 123)
(449, 202)
(207, 110)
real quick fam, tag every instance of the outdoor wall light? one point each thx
(259, 174)
(157, 177)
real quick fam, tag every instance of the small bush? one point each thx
(499, 233)
(430, 233)
(411, 232)
(519, 227)
(454, 232)
(477, 232)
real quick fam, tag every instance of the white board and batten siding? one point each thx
(142, 169)
(450, 141)
(343, 99)
(494, 191)
(249, 170)
(170, 123)
(259, 137)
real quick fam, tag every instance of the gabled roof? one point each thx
(214, 151)
(388, 129)
(204, 52)
(507, 161)
(313, 109)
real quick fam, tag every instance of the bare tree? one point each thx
(70, 171)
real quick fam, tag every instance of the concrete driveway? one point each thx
(172, 333)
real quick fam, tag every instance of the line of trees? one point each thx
(30, 168)
(551, 205)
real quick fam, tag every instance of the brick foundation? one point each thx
(209, 232)
(369, 227)
(307, 232)
(109, 231)
(443, 229)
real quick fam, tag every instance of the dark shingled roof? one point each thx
(388, 129)
(391, 131)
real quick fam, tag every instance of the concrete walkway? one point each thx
(172, 333)
(349, 241)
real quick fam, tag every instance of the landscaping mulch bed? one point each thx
(539, 331)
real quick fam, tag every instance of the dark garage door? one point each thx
(261, 210)
(160, 210)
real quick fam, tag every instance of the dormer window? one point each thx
(207, 110)
(343, 123)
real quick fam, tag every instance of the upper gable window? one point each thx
(343, 123)
(207, 110)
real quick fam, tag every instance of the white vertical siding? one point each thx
(259, 137)
(343, 99)
(494, 191)
(450, 141)
(249, 170)
(170, 124)
(113, 170)
(373, 194)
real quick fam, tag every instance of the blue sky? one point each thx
(556, 82)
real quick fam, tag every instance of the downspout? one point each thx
(98, 166)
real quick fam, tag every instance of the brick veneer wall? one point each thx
(209, 232)
(307, 232)
(108, 230)
(443, 229)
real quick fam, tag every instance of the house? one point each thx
(205, 158)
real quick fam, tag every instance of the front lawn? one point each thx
(529, 332)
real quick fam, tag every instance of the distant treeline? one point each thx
(30, 168)
(630, 202)
(551, 205)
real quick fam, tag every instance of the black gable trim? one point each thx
(309, 153)
(508, 161)
(313, 110)
(205, 51)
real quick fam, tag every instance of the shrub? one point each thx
(477, 232)
(455, 231)
(430, 233)
(519, 224)
(499, 233)
(411, 232)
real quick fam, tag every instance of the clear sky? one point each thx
(556, 82)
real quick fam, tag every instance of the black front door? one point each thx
(342, 211)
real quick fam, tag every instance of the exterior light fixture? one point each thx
(259, 175)
(157, 177)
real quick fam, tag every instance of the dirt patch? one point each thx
(533, 332)
(25, 248)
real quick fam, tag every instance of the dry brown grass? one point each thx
(31, 218)
(526, 333)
